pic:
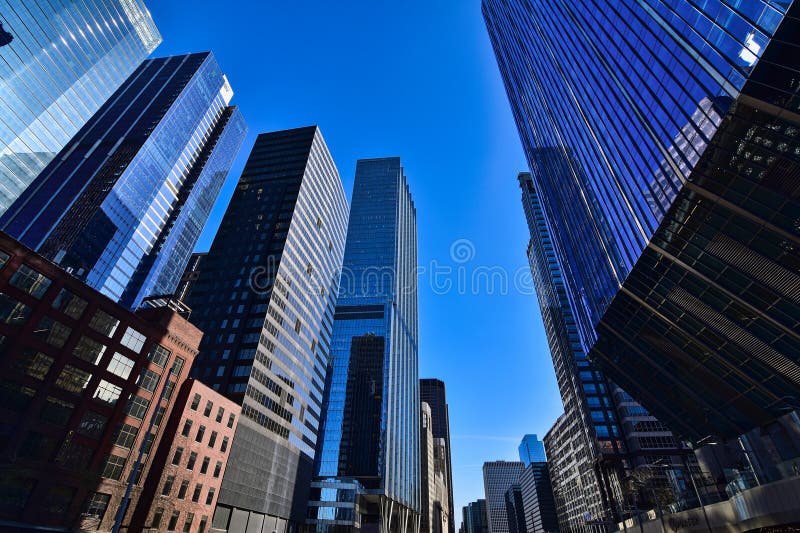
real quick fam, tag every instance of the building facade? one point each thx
(669, 194)
(432, 391)
(475, 517)
(498, 477)
(87, 386)
(375, 337)
(538, 504)
(55, 76)
(515, 510)
(427, 470)
(265, 296)
(531, 450)
(124, 203)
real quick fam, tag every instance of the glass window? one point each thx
(210, 497)
(126, 435)
(177, 366)
(12, 311)
(148, 380)
(30, 281)
(34, 364)
(73, 379)
(192, 460)
(157, 515)
(167, 488)
(137, 407)
(209, 407)
(204, 466)
(187, 426)
(212, 439)
(96, 505)
(113, 467)
(224, 446)
(173, 521)
(201, 431)
(195, 402)
(183, 488)
(69, 304)
(133, 340)
(159, 415)
(107, 392)
(231, 419)
(52, 331)
(217, 469)
(120, 365)
(187, 526)
(104, 323)
(220, 413)
(75, 456)
(176, 458)
(4, 257)
(89, 350)
(169, 388)
(92, 424)
(159, 355)
(56, 411)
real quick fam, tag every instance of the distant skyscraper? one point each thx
(123, 205)
(64, 60)
(531, 450)
(428, 476)
(475, 517)
(666, 165)
(539, 508)
(375, 346)
(432, 392)
(498, 477)
(264, 295)
(515, 511)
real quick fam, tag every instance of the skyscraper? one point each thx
(264, 295)
(427, 472)
(432, 392)
(531, 450)
(498, 477)
(375, 338)
(123, 205)
(475, 518)
(658, 139)
(62, 63)
(538, 505)
(515, 510)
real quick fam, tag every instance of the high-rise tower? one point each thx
(264, 295)
(373, 462)
(62, 63)
(123, 205)
(498, 477)
(432, 392)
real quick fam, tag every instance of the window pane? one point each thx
(92, 424)
(107, 392)
(133, 339)
(69, 304)
(34, 364)
(104, 323)
(30, 281)
(120, 365)
(12, 311)
(73, 379)
(89, 350)
(52, 331)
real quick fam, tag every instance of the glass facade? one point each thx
(432, 392)
(375, 338)
(498, 477)
(123, 205)
(531, 450)
(264, 295)
(65, 58)
(642, 120)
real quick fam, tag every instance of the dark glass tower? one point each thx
(124, 203)
(660, 137)
(432, 392)
(498, 477)
(264, 295)
(374, 359)
(63, 61)
(475, 519)
(538, 505)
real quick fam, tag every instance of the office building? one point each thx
(538, 504)
(87, 386)
(671, 197)
(427, 471)
(475, 517)
(368, 469)
(515, 511)
(441, 509)
(123, 204)
(60, 61)
(432, 392)
(498, 477)
(264, 295)
(531, 450)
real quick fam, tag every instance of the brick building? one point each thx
(191, 462)
(87, 386)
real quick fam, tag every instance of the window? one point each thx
(224, 446)
(192, 461)
(75, 456)
(212, 440)
(52, 332)
(196, 494)
(187, 526)
(30, 281)
(240, 371)
(159, 355)
(186, 427)
(107, 392)
(195, 402)
(56, 411)
(210, 496)
(159, 415)
(183, 488)
(33, 364)
(203, 522)
(176, 459)
(157, 515)
(217, 469)
(298, 326)
(12, 311)
(220, 413)
(104, 323)
(4, 257)
(73, 379)
(120, 365)
(113, 467)
(173, 521)
(201, 431)
(69, 304)
(89, 350)
(209, 407)
(148, 380)
(126, 435)
(204, 466)
(137, 406)
(96, 505)
(177, 366)
(133, 340)
(167, 488)
(92, 424)
(231, 418)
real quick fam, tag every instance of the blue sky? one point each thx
(415, 79)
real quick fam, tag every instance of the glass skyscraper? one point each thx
(368, 464)
(65, 58)
(498, 477)
(264, 295)
(432, 392)
(659, 136)
(124, 203)
(531, 450)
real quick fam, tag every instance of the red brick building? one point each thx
(192, 463)
(87, 388)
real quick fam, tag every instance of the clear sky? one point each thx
(415, 79)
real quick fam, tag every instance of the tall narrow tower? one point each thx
(374, 347)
